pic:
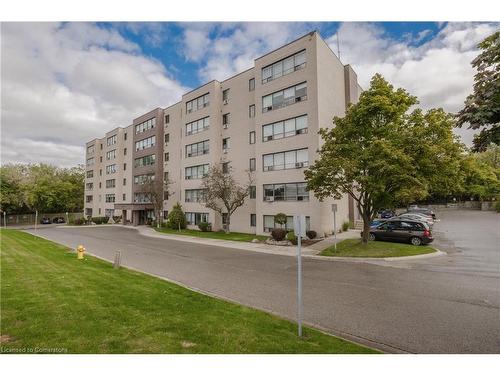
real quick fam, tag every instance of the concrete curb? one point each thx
(376, 260)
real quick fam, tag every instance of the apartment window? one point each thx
(167, 156)
(253, 220)
(124, 181)
(194, 195)
(100, 185)
(110, 155)
(90, 161)
(110, 169)
(88, 198)
(196, 172)
(89, 186)
(124, 166)
(124, 197)
(101, 146)
(226, 119)
(225, 96)
(225, 167)
(142, 179)
(194, 218)
(88, 212)
(145, 126)
(251, 111)
(124, 136)
(100, 159)
(167, 138)
(100, 172)
(284, 67)
(253, 192)
(198, 126)
(225, 144)
(285, 160)
(110, 183)
(90, 174)
(269, 223)
(199, 148)
(197, 104)
(286, 192)
(99, 211)
(251, 84)
(145, 143)
(145, 160)
(224, 218)
(165, 176)
(142, 198)
(167, 119)
(252, 165)
(110, 198)
(90, 149)
(251, 137)
(286, 128)
(125, 151)
(286, 97)
(111, 140)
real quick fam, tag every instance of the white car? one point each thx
(419, 217)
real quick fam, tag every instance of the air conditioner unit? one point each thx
(225, 101)
(269, 199)
(269, 138)
(189, 154)
(298, 99)
(189, 132)
(299, 165)
(225, 126)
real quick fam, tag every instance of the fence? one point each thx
(29, 219)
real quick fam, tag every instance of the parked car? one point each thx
(45, 220)
(58, 220)
(376, 223)
(387, 214)
(418, 217)
(402, 230)
(422, 210)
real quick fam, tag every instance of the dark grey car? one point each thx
(401, 230)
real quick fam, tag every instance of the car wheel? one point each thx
(371, 237)
(416, 241)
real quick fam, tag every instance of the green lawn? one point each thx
(374, 249)
(233, 236)
(52, 300)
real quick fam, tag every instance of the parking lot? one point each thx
(446, 304)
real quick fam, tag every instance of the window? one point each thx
(224, 218)
(100, 159)
(125, 151)
(284, 67)
(90, 174)
(145, 160)
(144, 178)
(225, 96)
(197, 104)
(253, 192)
(110, 155)
(90, 161)
(99, 185)
(194, 218)
(100, 172)
(251, 111)
(286, 128)
(285, 97)
(196, 172)
(165, 176)
(89, 186)
(124, 166)
(167, 119)
(286, 160)
(111, 140)
(251, 137)
(194, 195)
(145, 143)
(251, 84)
(167, 156)
(146, 125)
(253, 220)
(198, 126)
(124, 136)
(110, 169)
(99, 211)
(167, 138)
(110, 198)
(110, 183)
(286, 192)
(90, 149)
(142, 198)
(88, 212)
(225, 167)
(108, 212)
(226, 119)
(225, 144)
(252, 164)
(101, 146)
(196, 149)
(269, 223)
(124, 181)
(124, 197)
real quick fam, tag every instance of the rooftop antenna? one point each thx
(338, 42)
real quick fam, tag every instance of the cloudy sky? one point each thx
(66, 83)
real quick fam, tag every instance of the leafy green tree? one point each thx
(177, 218)
(280, 219)
(383, 155)
(482, 107)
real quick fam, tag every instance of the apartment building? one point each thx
(264, 120)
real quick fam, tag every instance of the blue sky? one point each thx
(67, 83)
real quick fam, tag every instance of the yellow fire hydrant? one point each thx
(80, 251)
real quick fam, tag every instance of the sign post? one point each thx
(299, 224)
(5, 220)
(334, 210)
(36, 219)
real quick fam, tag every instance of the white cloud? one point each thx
(438, 71)
(64, 84)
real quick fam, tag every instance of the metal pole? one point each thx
(335, 228)
(5, 220)
(36, 218)
(299, 280)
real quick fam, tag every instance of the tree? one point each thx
(156, 191)
(280, 219)
(177, 218)
(482, 107)
(382, 155)
(222, 193)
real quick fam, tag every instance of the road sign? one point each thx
(299, 225)
(334, 207)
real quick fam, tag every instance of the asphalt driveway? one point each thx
(448, 304)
